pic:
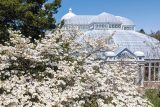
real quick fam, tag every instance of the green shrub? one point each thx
(154, 96)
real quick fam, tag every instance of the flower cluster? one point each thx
(57, 72)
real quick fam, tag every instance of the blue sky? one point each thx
(145, 13)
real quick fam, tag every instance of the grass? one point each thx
(154, 96)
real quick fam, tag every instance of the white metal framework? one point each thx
(131, 45)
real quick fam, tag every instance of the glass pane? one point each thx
(157, 64)
(152, 64)
(146, 74)
(156, 74)
(152, 73)
(147, 64)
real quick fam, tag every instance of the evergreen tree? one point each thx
(142, 31)
(31, 17)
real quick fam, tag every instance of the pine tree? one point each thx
(142, 31)
(31, 17)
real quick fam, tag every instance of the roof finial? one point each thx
(70, 10)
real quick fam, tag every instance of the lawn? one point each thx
(154, 96)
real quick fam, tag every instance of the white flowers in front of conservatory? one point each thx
(68, 76)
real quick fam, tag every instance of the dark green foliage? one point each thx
(2, 90)
(26, 67)
(91, 102)
(31, 17)
(4, 35)
(108, 100)
(142, 31)
(156, 35)
(32, 98)
(154, 96)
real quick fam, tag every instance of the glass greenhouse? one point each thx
(131, 45)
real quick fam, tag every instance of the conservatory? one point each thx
(132, 46)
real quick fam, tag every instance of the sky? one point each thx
(144, 13)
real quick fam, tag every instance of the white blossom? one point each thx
(72, 80)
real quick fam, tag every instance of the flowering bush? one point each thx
(57, 72)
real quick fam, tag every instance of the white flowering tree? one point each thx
(57, 72)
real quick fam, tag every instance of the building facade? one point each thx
(132, 46)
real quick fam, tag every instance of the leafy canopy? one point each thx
(31, 17)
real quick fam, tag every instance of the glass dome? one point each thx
(69, 15)
(131, 40)
(125, 21)
(105, 17)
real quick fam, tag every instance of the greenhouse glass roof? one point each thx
(131, 40)
(120, 29)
